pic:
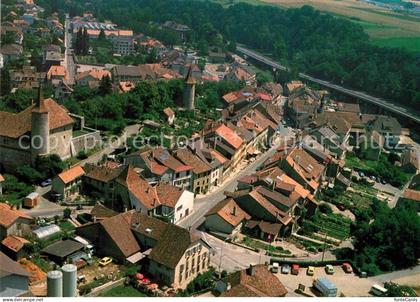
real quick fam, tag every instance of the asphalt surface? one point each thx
(68, 52)
(407, 112)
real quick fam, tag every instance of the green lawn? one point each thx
(66, 226)
(123, 291)
(409, 43)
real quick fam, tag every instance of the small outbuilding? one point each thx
(32, 200)
(61, 250)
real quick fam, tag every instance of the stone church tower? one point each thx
(40, 128)
(189, 90)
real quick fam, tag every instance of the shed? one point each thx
(31, 200)
(61, 250)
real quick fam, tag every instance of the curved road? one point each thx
(404, 111)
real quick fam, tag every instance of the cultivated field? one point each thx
(386, 28)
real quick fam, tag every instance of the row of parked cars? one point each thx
(310, 271)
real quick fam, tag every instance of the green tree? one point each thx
(105, 86)
(5, 81)
(67, 213)
(50, 165)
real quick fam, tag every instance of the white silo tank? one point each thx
(54, 284)
(69, 280)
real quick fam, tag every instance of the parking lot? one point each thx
(349, 285)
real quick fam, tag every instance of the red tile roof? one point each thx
(8, 216)
(14, 243)
(229, 136)
(71, 174)
(229, 211)
(22, 121)
(262, 283)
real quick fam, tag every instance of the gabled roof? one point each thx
(229, 136)
(14, 243)
(169, 112)
(229, 211)
(119, 229)
(10, 267)
(101, 211)
(63, 248)
(191, 160)
(14, 125)
(149, 196)
(172, 246)
(8, 216)
(102, 173)
(262, 283)
(97, 74)
(71, 174)
(57, 70)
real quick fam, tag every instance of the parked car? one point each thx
(347, 268)
(378, 291)
(383, 181)
(285, 269)
(310, 271)
(373, 177)
(105, 261)
(295, 269)
(275, 268)
(46, 183)
(361, 174)
(329, 269)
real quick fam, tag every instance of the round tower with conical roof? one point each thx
(40, 128)
(189, 90)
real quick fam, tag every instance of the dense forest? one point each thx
(309, 41)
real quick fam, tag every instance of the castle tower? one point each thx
(189, 90)
(40, 129)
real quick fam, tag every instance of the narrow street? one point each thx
(68, 52)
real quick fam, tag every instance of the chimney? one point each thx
(251, 270)
(234, 211)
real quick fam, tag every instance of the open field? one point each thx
(386, 28)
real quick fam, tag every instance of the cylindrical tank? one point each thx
(54, 284)
(69, 280)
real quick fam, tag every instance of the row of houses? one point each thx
(272, 202)
(342, 123)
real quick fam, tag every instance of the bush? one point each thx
(66, 213)
(82, 155)
(29, 175)
(325, 208)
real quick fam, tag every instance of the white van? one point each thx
(275, 268)
(378, 290)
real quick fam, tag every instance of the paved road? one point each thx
(406, 112)
(68, 52)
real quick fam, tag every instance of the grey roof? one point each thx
(63, 248)
(9, 267)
